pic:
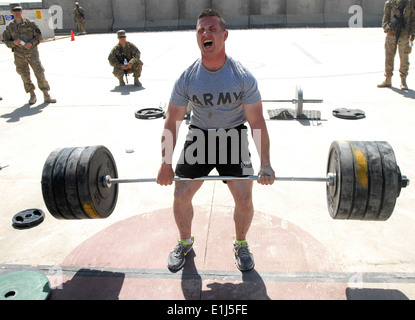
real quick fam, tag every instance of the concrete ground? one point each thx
(300, 252)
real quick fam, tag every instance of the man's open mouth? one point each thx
(208, 43)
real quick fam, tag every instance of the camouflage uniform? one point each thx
(393, 11)
(27, 31)
(132, 54)
(79, 17)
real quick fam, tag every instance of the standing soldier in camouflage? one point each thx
(399, 25)
(125, 58)
(79, 17)
(23, 36)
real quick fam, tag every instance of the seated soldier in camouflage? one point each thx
(125, 58)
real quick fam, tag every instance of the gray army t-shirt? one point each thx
(216, 97)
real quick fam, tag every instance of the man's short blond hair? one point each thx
(213, 13)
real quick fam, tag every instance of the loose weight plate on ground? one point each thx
(149, 113)
(368, 180)
(24, 285)
(349, 114)
(28, 218)
(71, 186)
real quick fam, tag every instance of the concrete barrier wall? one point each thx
(305, 13)
(98, 14)
(129, 14)
(336, 12)
(189, 10)
(137, 15)
(162, 14)
(372, 10)
(268, 13)
(235, 12)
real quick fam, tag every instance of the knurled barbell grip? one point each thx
(330, 179)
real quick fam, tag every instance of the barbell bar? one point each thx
(298, 101)
(363, 181)
(330, 179)
(294, 101)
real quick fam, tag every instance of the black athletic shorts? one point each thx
(226, 150)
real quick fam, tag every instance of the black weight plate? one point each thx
(58, 184)
(349, 114)
(149, 113)
(24, 285)
(340, 196)
(71, 184)
(47, 187)
(96, 200)
(374, 163)
(28, 218)
(361, 180)
(391, 180)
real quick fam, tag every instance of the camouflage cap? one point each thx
(15, 6)
(121, 33)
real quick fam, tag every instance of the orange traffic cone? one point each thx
(72, 36)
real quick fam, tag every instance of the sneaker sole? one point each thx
(244, 270)
(182, 264)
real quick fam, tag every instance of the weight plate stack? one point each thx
(71, 183)
(367, 180)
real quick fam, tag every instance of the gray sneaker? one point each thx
(177, 257)
(244, 257)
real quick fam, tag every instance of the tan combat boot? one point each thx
(137, 82)
(33, 98)
(386, 83)
(48, 98)
(122, 83)
(404, 86)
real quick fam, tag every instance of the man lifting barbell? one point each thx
(363, 179)
(222, 95)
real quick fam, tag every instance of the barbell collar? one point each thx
(405, 181)
(330, 179)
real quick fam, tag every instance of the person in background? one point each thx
(79, 17)
(125, 58)
(399, 25)
(23, 37)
